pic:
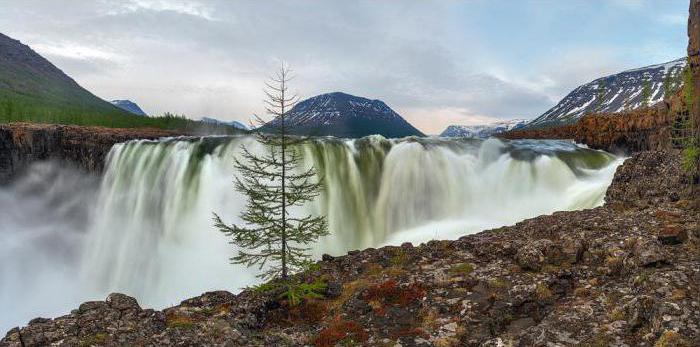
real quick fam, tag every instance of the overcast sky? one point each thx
(435, 62)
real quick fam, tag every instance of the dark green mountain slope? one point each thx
(34, 90)
(31, 86)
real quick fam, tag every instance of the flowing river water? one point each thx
(144, 228)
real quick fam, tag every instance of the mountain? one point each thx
(233, 123)
(344, 115)
(483, 131)
(30, 84)
(620, 92)
(129, 106)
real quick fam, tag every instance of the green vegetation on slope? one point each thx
(691, 147)
(21, 108)
(33, 90)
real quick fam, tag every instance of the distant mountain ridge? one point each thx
(483, 131)
(129, 106)
(31, 84)
(344, 115)
(233, 123)
(620, 92)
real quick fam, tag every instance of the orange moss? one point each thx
(390, 292)
(311, 311)
(340, 331)
(173, 320)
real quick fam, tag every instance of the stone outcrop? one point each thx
(87, 147)
(610, 276)
(625, 132)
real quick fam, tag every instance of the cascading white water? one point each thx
(150, 233)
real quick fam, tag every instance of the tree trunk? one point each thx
(284, 176)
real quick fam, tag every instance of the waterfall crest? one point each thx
(153, 236)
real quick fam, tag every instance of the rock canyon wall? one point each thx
(630, 131)
(87, 147)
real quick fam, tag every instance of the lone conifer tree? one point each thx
(271, 238)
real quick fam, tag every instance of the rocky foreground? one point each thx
(625, 274)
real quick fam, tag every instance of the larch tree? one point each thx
(270, 237)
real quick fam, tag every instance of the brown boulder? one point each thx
(122, 302)
(649, 253)
(532, 256)
(672, 235)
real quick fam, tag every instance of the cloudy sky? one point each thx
(435, 62)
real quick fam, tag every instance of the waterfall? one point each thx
(148, 230)
(153, 237)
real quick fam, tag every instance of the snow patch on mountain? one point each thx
(233, 123)
(344, 115)
(129, 106)
(483, 131)
(616, 93)
(328, 107)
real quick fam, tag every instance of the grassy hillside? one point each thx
(20, 108)
(34, 90)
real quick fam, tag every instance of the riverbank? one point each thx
(627, 273)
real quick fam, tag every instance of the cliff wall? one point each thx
(87, 147)
(630, 131)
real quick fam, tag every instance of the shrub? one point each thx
(497, 283)
(216, 311)
(462, 269)
(93, 340)
(399, 257)
(175, 321)
(616, 315)
(678, 294)
(543, 292)
(690, 157)
(671, 339)
(294, 291)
